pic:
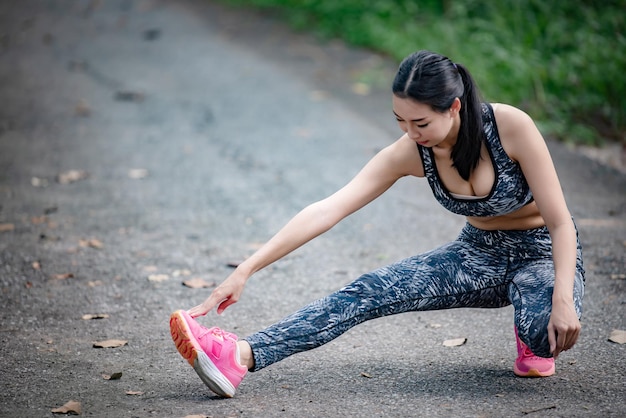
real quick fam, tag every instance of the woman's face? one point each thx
(424, 125)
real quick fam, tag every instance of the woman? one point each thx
(519, 245)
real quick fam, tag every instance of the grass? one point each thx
(563, 61)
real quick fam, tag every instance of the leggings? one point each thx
(480, 269)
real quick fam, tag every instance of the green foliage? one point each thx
(563, 61)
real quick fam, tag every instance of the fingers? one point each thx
(552, 341)
(220, 297)
(563, 340)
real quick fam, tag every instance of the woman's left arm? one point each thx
(525, 144)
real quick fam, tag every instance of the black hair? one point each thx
(433, 79)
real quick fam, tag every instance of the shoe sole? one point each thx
(190, 349)
(532, 372)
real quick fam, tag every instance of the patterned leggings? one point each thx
(480, 269)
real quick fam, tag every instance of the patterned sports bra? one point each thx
(510, 190)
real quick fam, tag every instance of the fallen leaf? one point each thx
(38, 220)
(36, 265)
(151, 34)
(361, 89)
(94, 283)
(114, 376)
(28, 285)
(38, 182)
(72, 176)
(198, 283)
(110, 344)
(138, 173)
(6, 227)
(621, 276)
(363, 374)
(433, 325)
(134, 392)
(183, 272)
(618, 336)
(63, 276)
(157, 278)
(88, 317)
(82, 109)
(455, 342)
(92, 243)
(129, 96)
(71, 407)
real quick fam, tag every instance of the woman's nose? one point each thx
(413, 133)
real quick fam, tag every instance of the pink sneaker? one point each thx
(529, 365)
(212, 353)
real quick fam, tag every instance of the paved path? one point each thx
(200, 131)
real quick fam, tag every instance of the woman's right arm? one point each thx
(397, 160)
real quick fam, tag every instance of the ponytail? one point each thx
(466, 152)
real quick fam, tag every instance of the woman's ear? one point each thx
(456, 105)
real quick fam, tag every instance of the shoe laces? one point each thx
(220, 333)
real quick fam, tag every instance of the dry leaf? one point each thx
(183, 272)
(82, 109)
(6, 227)
(63, 276)
(92, 242)
(198, 283)
(38, 182)
(28, 285)
(133, 392)
(157, 278)
(129, 96)
(36, 265)
(618, 336)
(88, 317)
(94, 283)
(433, 325)
(38, 220)
(363, 374)
(621, 276)
(361, 89)
(71, 407)
(72, 176)
(114, 376)
(455, 342)
(138, 173)
(110, 344)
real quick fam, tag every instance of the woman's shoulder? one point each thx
(508, 116)
(512, 122)
(516, 128)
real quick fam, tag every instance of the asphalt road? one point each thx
(194, 132)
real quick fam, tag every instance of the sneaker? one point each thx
(529, 365)
(212, 352)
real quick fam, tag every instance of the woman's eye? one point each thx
(422, 126)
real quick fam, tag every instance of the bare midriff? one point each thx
(527, 217)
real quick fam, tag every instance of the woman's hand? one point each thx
(563, 328)
(222, 296)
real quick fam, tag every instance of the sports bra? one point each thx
(509, 192)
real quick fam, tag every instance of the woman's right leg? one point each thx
(455, 275)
